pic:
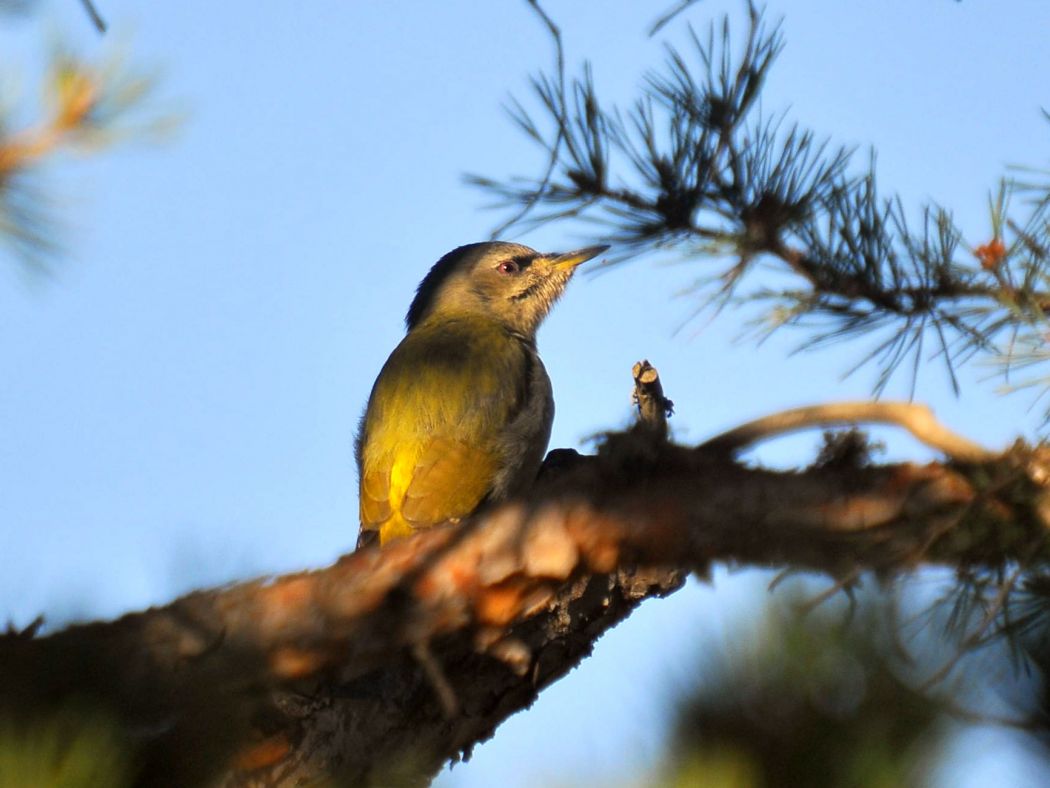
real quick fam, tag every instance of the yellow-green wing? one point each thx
(430, 440)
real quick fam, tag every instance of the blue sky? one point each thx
(179, 400)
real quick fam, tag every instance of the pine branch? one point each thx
(87, 107)
(693, 165)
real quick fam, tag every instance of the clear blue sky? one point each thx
(177, 404)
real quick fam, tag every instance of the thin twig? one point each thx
(659, 24)
(94, 15)
(436, 676)
(841, 584)
(916, 419)
(555, 149)
(781, 576)
(974, 637)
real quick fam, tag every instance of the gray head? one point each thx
(512, 283)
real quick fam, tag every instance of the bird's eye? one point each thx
(508, 267)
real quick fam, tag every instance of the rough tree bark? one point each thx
(386, 665)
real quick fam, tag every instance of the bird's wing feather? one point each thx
(450, 479)
(375, 495)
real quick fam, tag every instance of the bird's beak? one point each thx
(566, 261)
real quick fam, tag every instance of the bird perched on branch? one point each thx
(461, 412)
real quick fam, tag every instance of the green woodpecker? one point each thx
(461, 412)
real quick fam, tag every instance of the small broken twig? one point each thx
(653, 407)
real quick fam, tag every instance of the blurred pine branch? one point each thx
(832, 697)
(86, 107)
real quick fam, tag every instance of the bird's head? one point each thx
(510, 283)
